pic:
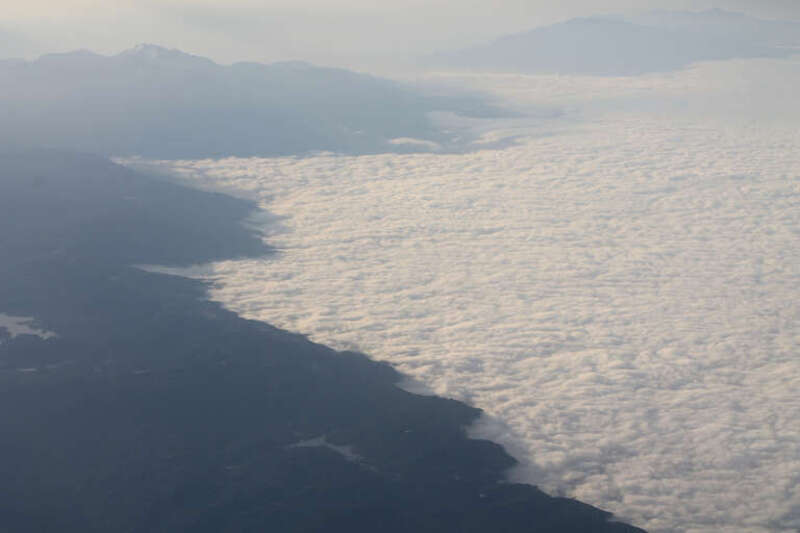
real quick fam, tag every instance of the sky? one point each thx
(348, 33)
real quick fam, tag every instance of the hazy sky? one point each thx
(336, 32)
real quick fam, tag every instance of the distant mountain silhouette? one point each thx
(156, 102)
(721, 23)
(652, 42)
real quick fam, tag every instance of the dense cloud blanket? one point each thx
(147, 408)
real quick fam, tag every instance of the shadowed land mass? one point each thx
(154, 409)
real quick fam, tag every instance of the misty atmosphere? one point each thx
(650, 42)
(342, 267)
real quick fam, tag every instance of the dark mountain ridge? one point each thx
(159, 103)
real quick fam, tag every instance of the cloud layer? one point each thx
(621, 298)
(18, 325)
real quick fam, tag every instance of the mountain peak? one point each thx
(155, 53)
(151, 51)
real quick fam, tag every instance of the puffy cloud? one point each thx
(620, 296)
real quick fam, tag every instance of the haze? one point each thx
(355, 33)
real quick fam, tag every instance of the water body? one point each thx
(620, 295)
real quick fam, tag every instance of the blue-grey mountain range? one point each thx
(616, 45)
(155, 102)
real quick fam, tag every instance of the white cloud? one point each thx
(19, 325)
(620, 296)
(418, 143)
(322, 442)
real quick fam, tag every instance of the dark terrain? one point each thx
(155, 410)
(158, 103)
